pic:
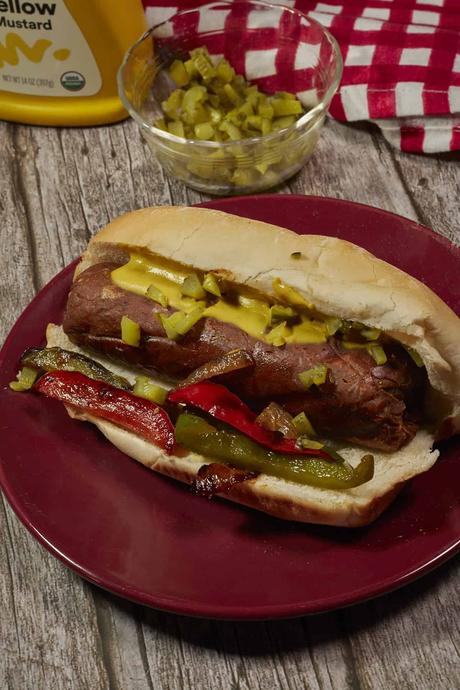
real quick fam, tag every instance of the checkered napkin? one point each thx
(401, 64)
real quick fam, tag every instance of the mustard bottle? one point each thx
(59, 59)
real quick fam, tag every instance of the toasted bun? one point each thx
(340, 278)
(289, 500)
(284, 499)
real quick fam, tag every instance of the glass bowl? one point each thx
(275, 47)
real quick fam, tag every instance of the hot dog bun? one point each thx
(339, 278)
(284, 499)
(342, 280)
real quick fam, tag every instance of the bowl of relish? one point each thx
(231, 96)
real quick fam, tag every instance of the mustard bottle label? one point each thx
(43, 51)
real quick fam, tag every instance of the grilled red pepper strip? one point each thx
(222, 404)
(100, 399)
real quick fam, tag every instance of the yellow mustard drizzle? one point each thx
(247, 313)
(247, 319)
(141, 272)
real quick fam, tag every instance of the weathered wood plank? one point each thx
(18, 261)
(42, 644)
(434, 186)
(356, 163)
(410, 638)
(55, 222)
(58, 187)
(164, 651)
(349, 163)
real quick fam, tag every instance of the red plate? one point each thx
(148, 539)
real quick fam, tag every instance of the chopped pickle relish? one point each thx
(213, 103)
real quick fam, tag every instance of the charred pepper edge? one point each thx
(234, 449)
(147, 419)
(61, 385)
(59, 359)
(218, 401)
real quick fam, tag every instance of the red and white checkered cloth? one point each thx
(401, 64)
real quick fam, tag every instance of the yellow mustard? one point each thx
(59, 59)
(248, 313)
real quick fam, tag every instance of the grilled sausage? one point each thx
(375, 406)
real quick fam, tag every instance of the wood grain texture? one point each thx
(56, 631)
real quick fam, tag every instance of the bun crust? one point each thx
(288, 500)
(340, 278)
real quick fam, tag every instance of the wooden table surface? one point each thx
(57, 187)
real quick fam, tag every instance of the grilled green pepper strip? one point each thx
(57, 359)
(233, 448)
